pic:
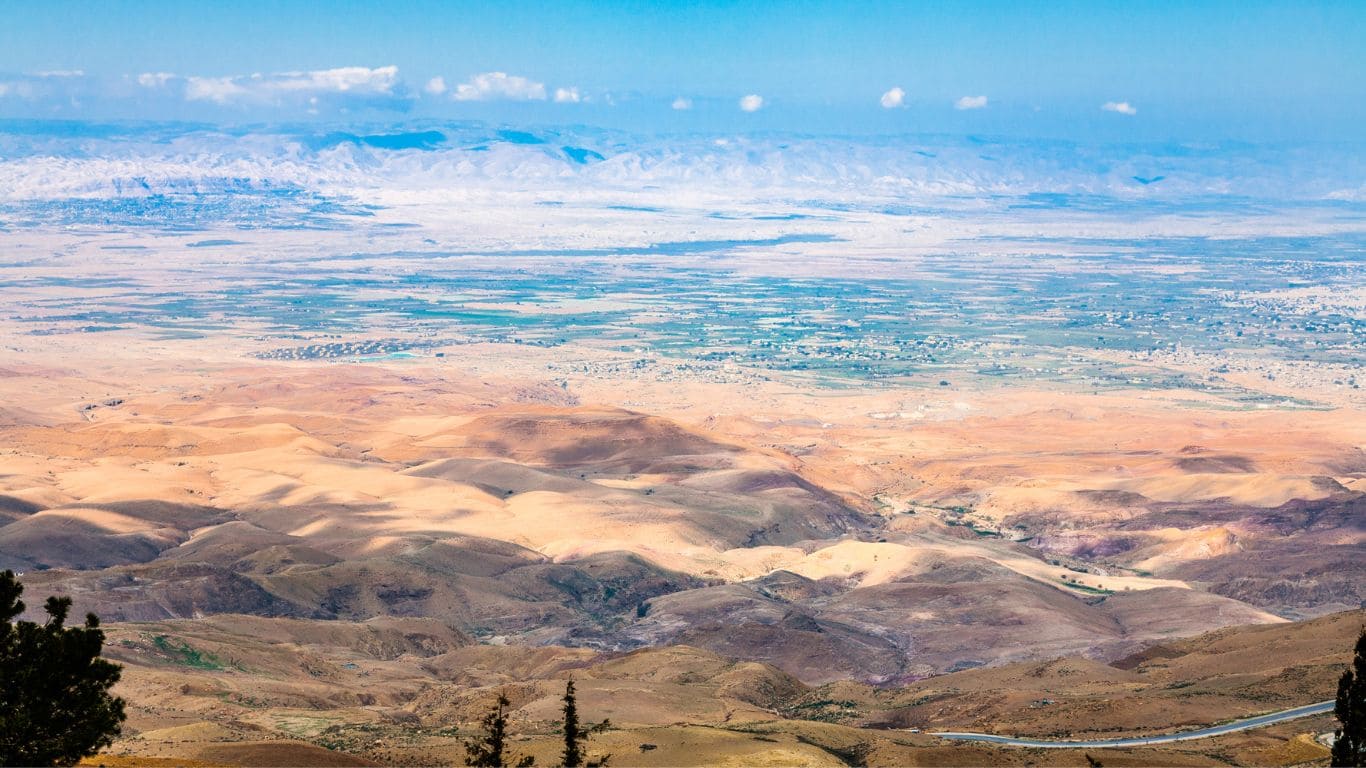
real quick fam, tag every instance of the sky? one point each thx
(1260, 71)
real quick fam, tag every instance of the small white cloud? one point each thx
(349, 81)
(436, 86)
(752, 102)
(970, 102)
(499, 85)
(682, 104)
(380, 80)
(893, 99)
(155, 79)
(567, 96)
(19, 89)
(1122, 107)
(219, 90)
(56, 89)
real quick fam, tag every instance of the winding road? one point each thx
(1142, 741)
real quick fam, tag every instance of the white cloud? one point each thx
(379, 82)
(681, 103)
(752, 102)
(20, 89)
(219, 90)
(970, 102)
(155, 79)
(436, 86)
(893, 99)
(1122, 107)
(499, 85)
(58, 88)
(567, 95)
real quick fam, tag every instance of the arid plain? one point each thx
(333, 546)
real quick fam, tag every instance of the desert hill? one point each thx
(600, 527)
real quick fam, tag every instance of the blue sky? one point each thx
(1247, 70)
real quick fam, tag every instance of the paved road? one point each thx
(1236, 725)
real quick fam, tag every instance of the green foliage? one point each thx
(55, 706)
(184, 653)
(1078, 586)
(826, 710)
(575, 736)
(490, 749)
(573, 740)
(1350, 747)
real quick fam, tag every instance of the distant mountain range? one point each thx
(55, 160)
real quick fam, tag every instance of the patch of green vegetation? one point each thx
(250, 702)
(822, 703)
(181, 652)
(823, 710)
(1088, 590)
(927, 698)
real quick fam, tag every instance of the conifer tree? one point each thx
(55, 706)
(490, 749)
(1350, 747)
(575, 737)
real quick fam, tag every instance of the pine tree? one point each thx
(55, 706)
(490, 749)
(1350, 747)
(575, 736)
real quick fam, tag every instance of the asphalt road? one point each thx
(1142, 741)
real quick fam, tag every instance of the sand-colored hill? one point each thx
(882, 553)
